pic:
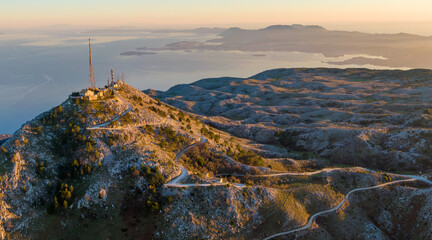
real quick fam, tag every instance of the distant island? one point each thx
(134, 30)
(394, 50)
(136, 53)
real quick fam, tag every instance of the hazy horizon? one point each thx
(417, 28)
(368, 16)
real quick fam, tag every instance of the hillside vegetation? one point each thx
(371, 118)
(130, 166)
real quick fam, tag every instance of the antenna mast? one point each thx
(112, 75)
(92, 83)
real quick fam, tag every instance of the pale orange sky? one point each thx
(377, 15)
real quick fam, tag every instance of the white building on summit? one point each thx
(92, 92)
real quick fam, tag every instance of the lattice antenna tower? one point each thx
(112, 75)
(92, 83)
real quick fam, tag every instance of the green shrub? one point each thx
(149, 128)
(181, 116)
(64, 195)
(40, 168)
(110, 142)
(287, 138)
(163, 144)
(246, 156)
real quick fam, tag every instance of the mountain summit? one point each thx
(120, 164)
(110, 168)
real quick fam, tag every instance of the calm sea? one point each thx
(38, 72)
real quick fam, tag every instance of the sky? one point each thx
(397, 15)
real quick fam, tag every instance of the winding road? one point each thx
(165, 120)
(103, 125)
(416, 177)
(285, 173)
(313, 217)
(176, 182)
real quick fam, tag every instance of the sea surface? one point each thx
(39, 71)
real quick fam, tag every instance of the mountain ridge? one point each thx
(127, 166)
(301, 99)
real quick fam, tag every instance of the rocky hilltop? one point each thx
(370, 118)
(225, 158)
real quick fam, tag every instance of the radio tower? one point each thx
(92, 83)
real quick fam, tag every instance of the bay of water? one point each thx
(39, 72)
